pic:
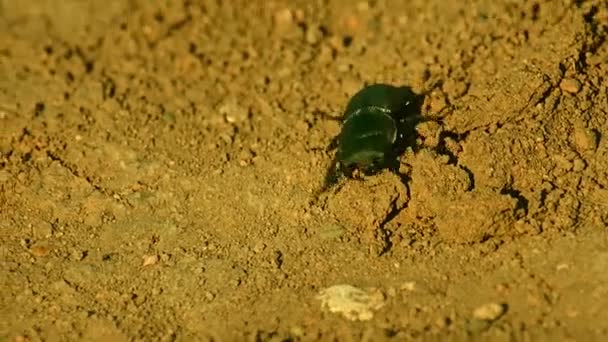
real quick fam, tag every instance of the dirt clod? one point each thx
(570, 85)
(489, 311)
(40, 250)
(476, 216)
(352, 302)
(364, 205)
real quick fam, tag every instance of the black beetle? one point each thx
(377, 126)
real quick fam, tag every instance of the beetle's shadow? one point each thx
(409, 117)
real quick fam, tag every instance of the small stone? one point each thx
(259, 247)
(150, 260)
(165, 257)
(40, 250)
(352, 23)
(336, 43)
(232, 111)
(297, 331)
(283, 17)
(209, 296)
(245, 157)
(408, 286)
(452, 145)
(489, 312)
(524, 227)
(42, 230)
(299, 15)
(4, 175)
(78, 255)
(352, 302)
(570, 85)
(234, 283)
(563, 162)
(331, 231)
(430, 131)
(363, 6)
(437, 102)
(313, 35)
(443, 322)
(455, 88)
(342, 68)
(578, 165)
(21, 338)
(585, 139)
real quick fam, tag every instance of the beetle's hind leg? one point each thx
(332, 180)
(333, 175)
(333, 143)
(334, 172)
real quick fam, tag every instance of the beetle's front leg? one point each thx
(333, 144)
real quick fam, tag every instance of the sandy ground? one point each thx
(158, 160)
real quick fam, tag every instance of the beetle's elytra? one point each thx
(377, 125)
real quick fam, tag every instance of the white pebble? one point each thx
(489, 312)
(352, 302)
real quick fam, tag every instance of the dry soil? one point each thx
(158, 161)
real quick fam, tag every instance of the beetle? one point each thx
(377, 126)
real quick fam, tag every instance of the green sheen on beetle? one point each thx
(375, 124)
(367, 136)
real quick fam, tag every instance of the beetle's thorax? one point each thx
(367, 136)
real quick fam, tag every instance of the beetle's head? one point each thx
(365, 160)
(365, 153)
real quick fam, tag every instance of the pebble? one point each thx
(42, 230)
(78, 255)
(150, 260)
(297, 331)
(259, 247)
(209, 296)
(363, 6)
(489, 312)
(343, 67)
(437, 102)
(570, 85)
(562, 162)
(585, 139)
(352, 302)
(455, 88)
(313, 35)
(284, 17)
(331, 231)
(40, 250)
(298, 15)
(165, 257)
(4, 175)
(430, 130)
(578, 165)
(232, 111)
(408, 286)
